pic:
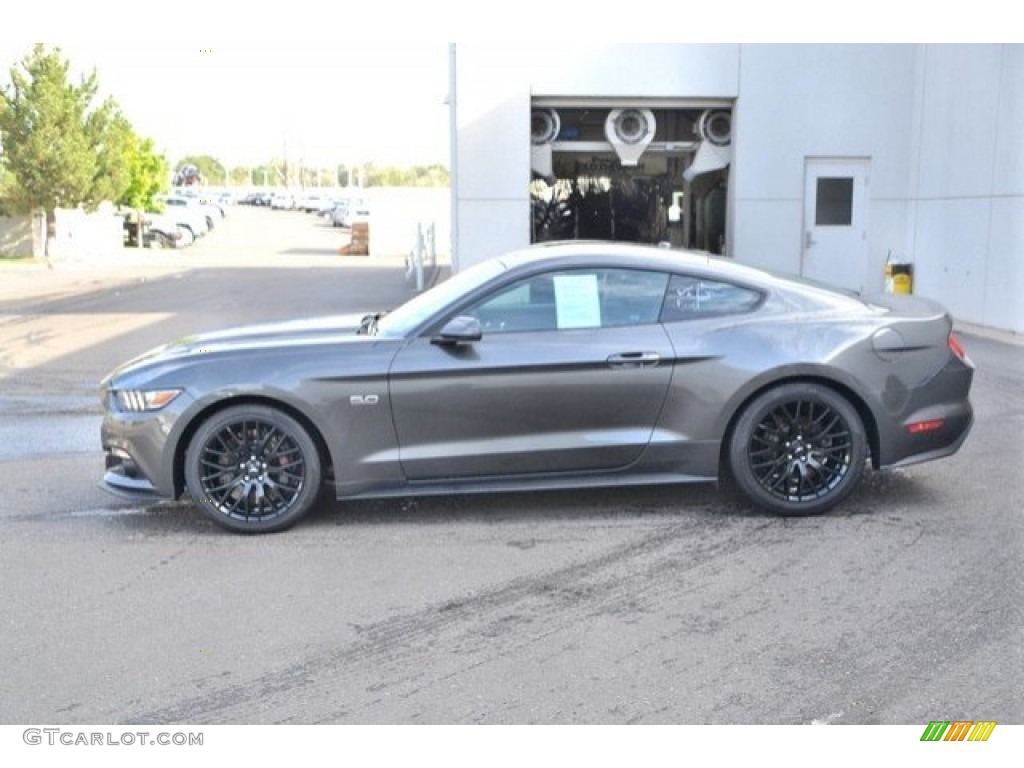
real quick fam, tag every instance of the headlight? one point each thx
(142, 400)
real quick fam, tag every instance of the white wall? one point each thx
(800, 101)
(16, 236)
(395, 212)
(79, 234)
(492, 167)
(966, 216)
(82, 235)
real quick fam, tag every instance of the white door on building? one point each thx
(835, 221)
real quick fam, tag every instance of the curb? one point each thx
(985, 332)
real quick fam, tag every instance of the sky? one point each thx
(320, 104)
(336, 82)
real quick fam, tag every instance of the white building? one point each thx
(834, 157)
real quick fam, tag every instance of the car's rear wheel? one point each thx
(798, 449)
(253, 468)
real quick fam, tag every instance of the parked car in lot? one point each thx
(197, 208)
(571, 365)
(189, 219)
(166, 233)
(282, 201)
(348, 211)
(157, 230)
(310, 202)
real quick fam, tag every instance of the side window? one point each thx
(631, 297)
(525, 306)
(579, 298)
(691, 297)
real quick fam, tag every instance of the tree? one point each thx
(7, 186)
(262, 176)
(148, 174)
(211, 170)
(114, 140)
(46, 144)
(58, 150)
(394, 176)
(342, 175)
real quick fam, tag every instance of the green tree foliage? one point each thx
(280, 173)
(342, 176)
(7, 186)
(47, 135)
(263, 176)
(148, 176)
(61, 152)
(276, 173)
(113, 140)
(210, 168)
(394, 176)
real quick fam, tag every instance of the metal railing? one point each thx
(424, 252)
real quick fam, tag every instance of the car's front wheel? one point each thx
(798, 449)
(253, 468)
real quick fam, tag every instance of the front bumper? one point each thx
(125, 480)
(138, 450)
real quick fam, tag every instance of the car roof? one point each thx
(579, 253)
(649, 256)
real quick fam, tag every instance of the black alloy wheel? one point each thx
(253, 468)
(798, 449)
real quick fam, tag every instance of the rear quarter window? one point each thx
(689, 297)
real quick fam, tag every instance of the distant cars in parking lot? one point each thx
(189, 213)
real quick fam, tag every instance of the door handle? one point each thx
(634, 360)
(808, 240)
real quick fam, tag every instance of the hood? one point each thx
(290, 333)
(275, 334)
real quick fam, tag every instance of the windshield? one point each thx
(414, 312)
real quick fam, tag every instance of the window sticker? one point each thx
(577, 300)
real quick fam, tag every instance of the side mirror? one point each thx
(459, 330)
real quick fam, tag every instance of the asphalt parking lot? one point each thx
(663, 605)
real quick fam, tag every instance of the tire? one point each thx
(798, 449)
(253, 469)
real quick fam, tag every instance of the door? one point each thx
(570, 375)
(835, 221)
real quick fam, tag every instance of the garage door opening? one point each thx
(630, 172)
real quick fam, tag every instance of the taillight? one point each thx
(957, 348)
(924, 426)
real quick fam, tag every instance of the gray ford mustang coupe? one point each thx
(568, 365)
